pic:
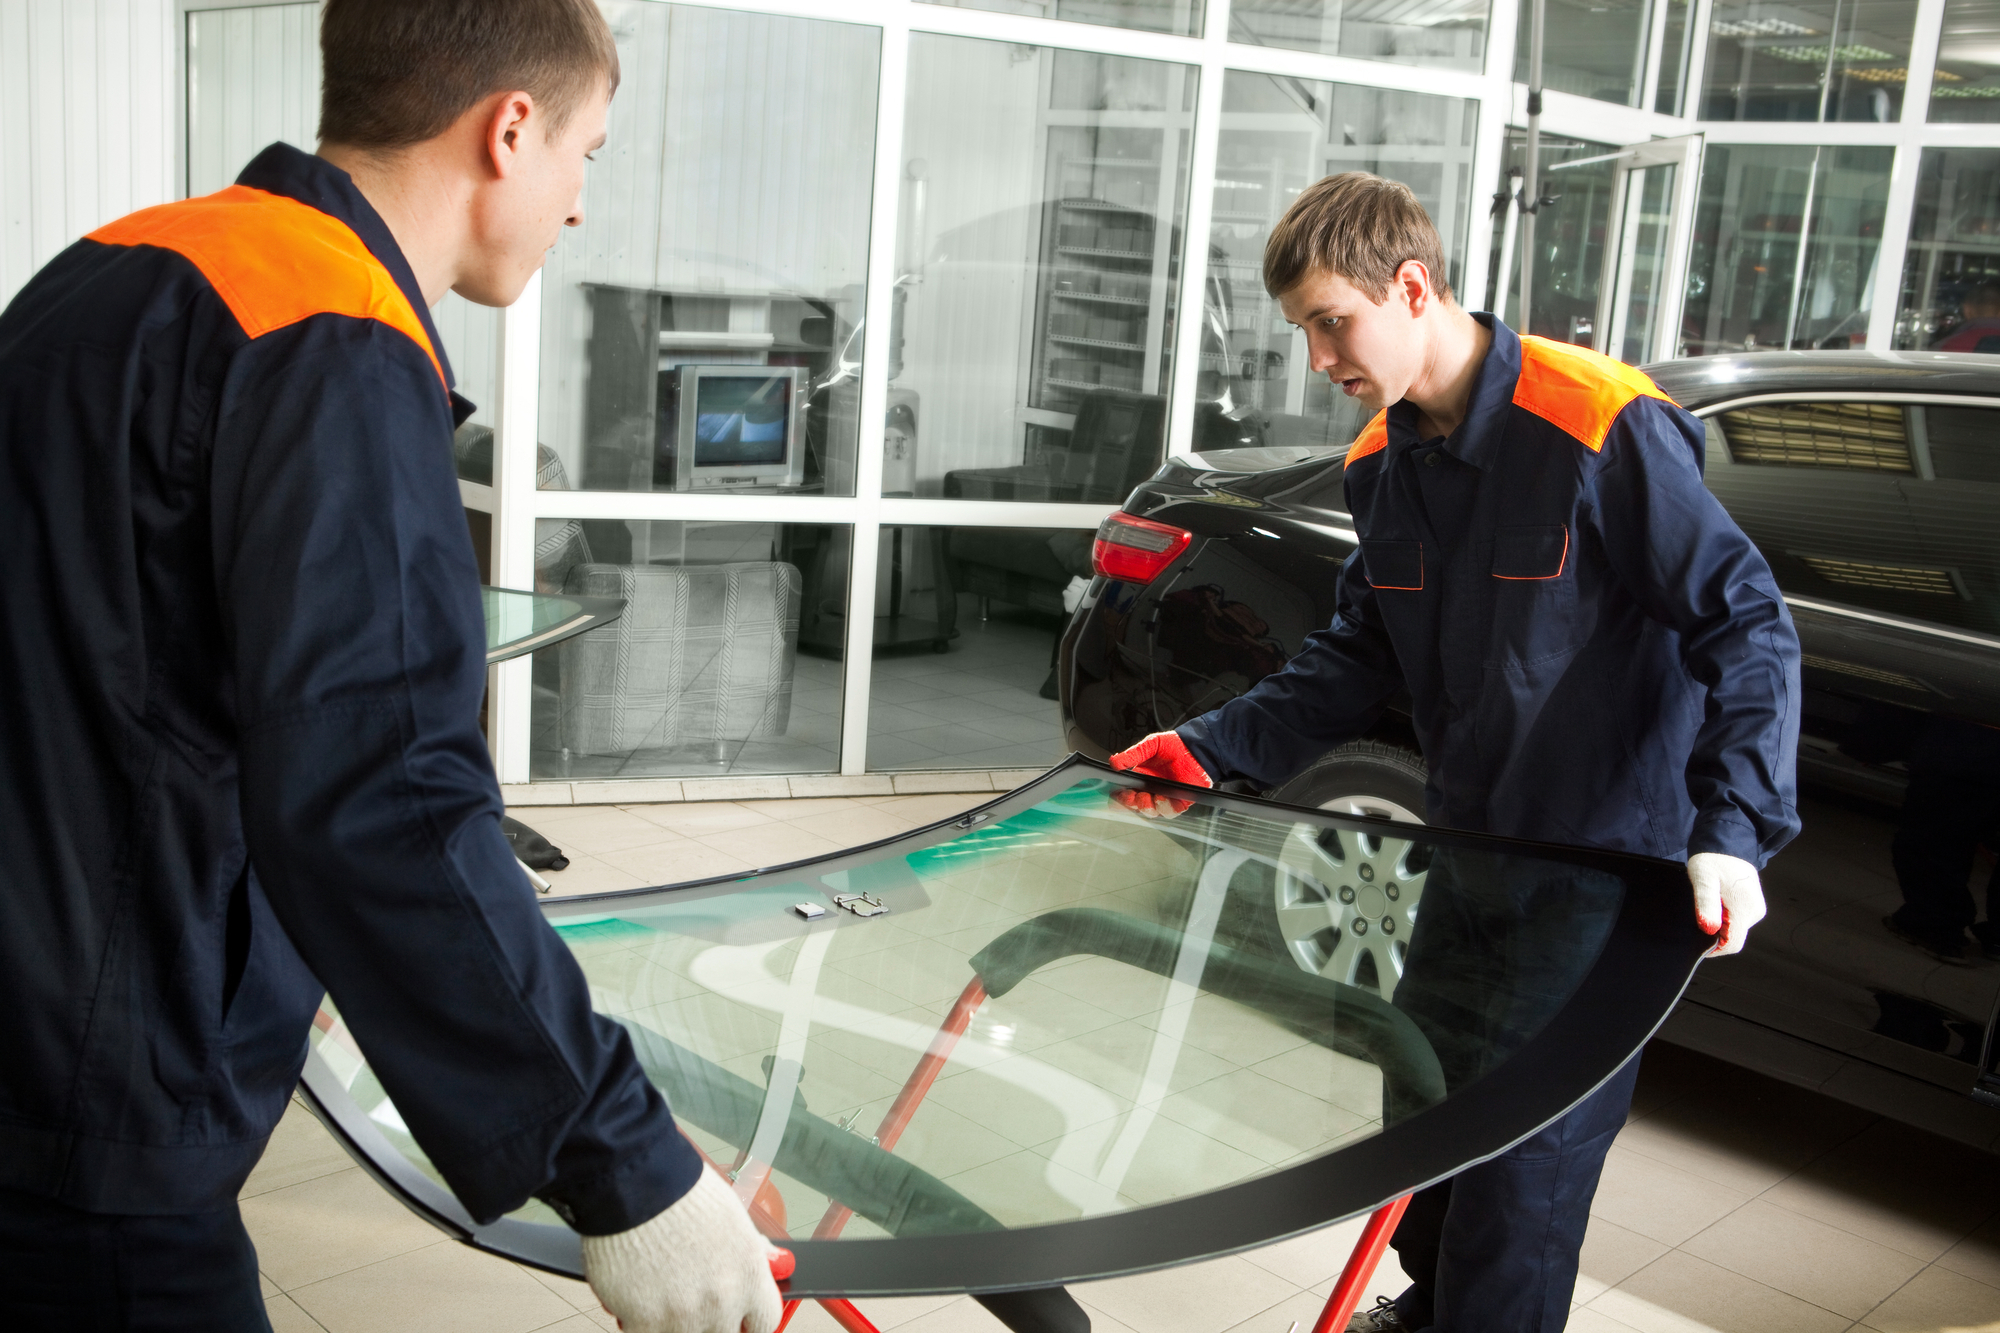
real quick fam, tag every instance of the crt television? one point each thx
(731, 426)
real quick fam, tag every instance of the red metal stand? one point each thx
(1346, 1292)
(891, 1129)
(914, 1088)
(1360, 1266)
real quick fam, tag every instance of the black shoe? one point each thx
(1945, 946)
(1384, 1318)
(1988, 937)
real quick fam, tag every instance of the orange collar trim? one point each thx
(275, 261)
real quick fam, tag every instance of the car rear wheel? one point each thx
(1342, 902)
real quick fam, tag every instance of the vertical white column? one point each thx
(517, 417)
(1901, 203)
(858, 660)
(1192, 313)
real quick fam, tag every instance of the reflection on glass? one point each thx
(1926, 477)
(1043, 198)
(1438, 34)
(725, 224)
(1785, 244)
(1590, 48)
(1807, 60)
(1951, 275)
(1180, 17)
(1569, 240)
(513, 616)
(1279, 135)
(1965, 84)
(724, 661)
(1068, 1011)
(967, 623)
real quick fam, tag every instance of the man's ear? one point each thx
(508, 120)
(1413, 280)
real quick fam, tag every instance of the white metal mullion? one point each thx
(1192, 310)
(858, 660)
(1803, 133)
(517, 414)
(1656, 43)
(683, 505)
(992, 513)
(1503, 22)
(1900, 205)
(1029, 30)
(1697, 59)
(1489, 155)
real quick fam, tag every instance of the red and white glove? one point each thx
(1161, 755)
(1728, 899)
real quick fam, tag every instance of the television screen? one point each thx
(741, 420)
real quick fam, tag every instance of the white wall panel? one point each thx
(86, 97)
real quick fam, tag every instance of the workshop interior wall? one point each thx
(87, 101)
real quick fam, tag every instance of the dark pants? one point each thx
(64, 1271)
(1494, 1249)
(1501, 943)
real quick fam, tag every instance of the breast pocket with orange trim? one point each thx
(1393, 566)
(1531, 553)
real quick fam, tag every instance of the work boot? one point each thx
(1384, 1318)
(1947, 946)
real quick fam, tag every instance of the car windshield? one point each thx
(1053, 1013)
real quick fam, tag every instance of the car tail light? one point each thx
(1136, 549)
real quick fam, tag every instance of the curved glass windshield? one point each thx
(1052, 1011)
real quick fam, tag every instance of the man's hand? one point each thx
(1161, 755)
(1728, 899)
(698, 1267)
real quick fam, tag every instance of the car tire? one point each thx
(1341, 903)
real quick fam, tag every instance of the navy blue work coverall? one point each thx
(1596, 655)
(244, 652)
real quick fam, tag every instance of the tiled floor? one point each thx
(1730, 1203)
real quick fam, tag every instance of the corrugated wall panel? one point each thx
(86, 95)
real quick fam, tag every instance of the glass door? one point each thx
(1651, 211)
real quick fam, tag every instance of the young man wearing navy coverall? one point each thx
(1595, 653)
(244, 639)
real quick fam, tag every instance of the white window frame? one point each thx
(515, 503)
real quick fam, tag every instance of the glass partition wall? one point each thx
(879, 306)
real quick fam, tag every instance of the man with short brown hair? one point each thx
(1595, 655)
(245, 629)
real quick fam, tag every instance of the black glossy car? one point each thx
(1872, 485)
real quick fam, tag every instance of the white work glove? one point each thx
(1728, 899)
(698, 1267)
